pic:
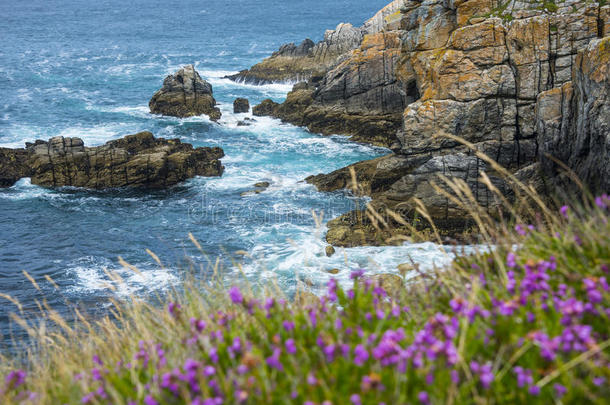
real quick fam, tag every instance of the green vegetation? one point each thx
(523, 322)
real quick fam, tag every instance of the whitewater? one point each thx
(76, 69)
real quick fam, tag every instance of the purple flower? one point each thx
(361, 355)
(291, 347)
(209, 371)
(564, 211)
(273, 361)
(149, 400)
(355, 399)
(235, 295)
(288, 326)
(524, 376)
(598, 381)
(484, 372)
(173, 308)
(534, 390)
(511, 260)
(423, 397)
(560, 390)
(15, 378)
(356, 274)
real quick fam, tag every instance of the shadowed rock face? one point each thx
(573, 122)
(516, 82)
(139, 160)
(185, 94)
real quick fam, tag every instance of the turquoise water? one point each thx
(88, 69)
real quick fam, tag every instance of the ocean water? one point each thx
(87, 69)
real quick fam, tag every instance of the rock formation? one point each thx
(308, 60)
(241, 105)
(573, 122)
(516, 79)
(185, 94)
(139, 160)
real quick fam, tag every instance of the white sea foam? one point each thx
(92, 275)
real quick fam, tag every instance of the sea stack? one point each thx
(185, 94)
(138, 160)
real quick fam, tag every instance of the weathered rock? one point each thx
(330, 250)
(267, 107)
(573, 121)
(13, 166)
(333, 271)
(185, 94)
(139, 160)
(241, 105)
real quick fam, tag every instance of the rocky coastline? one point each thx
(526, 83)
(139, 160)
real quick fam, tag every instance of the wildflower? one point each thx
(564, 211)
(291, 347)
(235, 295)
(361, 355)
(355, 399)
(511, 260)
(356, 274)
(524, 376)
(209, 371)
(97, 360)
(311, 379)
(288, 326)
(598, 381)
(273, 361)
(149, 400)
(173, 308)
(560, 390)
(484, 372)
(199, 325)
(534, 390)
(14, 379)
(423, 397)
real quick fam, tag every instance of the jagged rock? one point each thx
(13, 166)
(308, 60)
(185, 94)
(266, 108)
(139, 160)
(573, 121)
(241, 105)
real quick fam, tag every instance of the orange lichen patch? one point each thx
(472, 8)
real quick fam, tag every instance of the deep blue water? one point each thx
(87, 69)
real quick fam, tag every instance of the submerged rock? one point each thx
(185, 94)
(241, 105)
(139, 160)
(330, 250)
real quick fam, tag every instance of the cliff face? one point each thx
(309, 60)
(518, 79)
(573, 122)
(139, 160)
